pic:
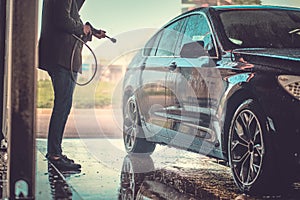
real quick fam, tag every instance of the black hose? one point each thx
(72, 60)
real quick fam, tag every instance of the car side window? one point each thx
(151, 46)
(170, 35)
(198, 30)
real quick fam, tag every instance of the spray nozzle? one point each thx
(96, 31)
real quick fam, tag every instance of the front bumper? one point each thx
(283, 114)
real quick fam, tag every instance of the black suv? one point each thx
(224, 82)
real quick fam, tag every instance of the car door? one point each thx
(154, 86)
(192, 125)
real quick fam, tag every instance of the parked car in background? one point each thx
(223, 82)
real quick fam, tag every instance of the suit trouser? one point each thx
(63, 86)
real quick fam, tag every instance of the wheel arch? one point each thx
(269, 157)
(233, 102)
(127, 92)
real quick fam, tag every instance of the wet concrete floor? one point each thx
(109, 173)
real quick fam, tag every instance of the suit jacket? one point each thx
(60, 19)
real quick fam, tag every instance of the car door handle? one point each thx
(142, 67)
(172, 66)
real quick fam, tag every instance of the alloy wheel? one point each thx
(130, 123)
(127, 180)
(246, 148)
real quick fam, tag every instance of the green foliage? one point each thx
(246, 2)
(84, 97)
(45, 94)
(91, 96)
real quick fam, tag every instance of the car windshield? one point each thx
(261, 28)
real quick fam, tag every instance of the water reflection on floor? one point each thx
(138, 181)
(105, 165)
(59, 187)
(109, 173)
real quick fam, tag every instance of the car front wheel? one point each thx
(253, 163)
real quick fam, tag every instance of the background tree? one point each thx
(247, 2)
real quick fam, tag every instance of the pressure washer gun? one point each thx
(96, 31)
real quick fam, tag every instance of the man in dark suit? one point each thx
(61, 19)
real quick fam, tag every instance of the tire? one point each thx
(134, 171)
(252, 160)
(133, 135)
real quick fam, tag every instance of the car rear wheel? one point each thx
(133, 135)
(134, 171)
(252, 162)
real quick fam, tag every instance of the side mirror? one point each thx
(193, 50)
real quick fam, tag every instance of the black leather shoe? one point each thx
(63, 164)
(67, 159)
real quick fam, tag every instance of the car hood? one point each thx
(285, 59)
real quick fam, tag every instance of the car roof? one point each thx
(247, 7)
(243, 7)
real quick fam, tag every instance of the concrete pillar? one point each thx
(21, 139)
(2, 55)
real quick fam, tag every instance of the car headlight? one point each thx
(291, 84)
